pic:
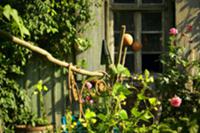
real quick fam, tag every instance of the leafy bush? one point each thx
(13, 100)
(104, 105)
(181, 78)
(54, 25)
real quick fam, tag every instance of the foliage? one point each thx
(8, 12)
(180, 79)
(56, 26)
(30, 118)
(104, 105)
(40, 89)
(12, 97)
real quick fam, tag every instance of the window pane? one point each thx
(123, 18)
(117, 41)
(130, 62)
(124, 1)
(151, 21)
(151, 62)
(151, 1)
(151, 42)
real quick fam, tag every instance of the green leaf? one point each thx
(123, 70)
(118, 88)
(146, 73)
(39, 85)
(102, 117)
(24, 30)
(7, 11)
(194, 128)
(15, 16)
(122, 97)
(152, 101)
(147, 115)
(113, 69)
(135, 112)
(45, 88)
(141, 96)
(89, 114)
(123, 114)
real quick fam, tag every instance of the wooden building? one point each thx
(148, 21)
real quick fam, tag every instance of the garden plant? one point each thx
(29, 121)
(59, 25)
(102, 102)
(178, 86)
(102, 98)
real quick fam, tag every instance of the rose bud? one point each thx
(88, 98)
(189, 27)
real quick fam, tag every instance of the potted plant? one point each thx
(28, 122)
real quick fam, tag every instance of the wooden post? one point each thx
(123, 30)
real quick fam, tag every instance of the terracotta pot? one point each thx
(30, 129)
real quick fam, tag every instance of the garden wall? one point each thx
(54, 78)
(188, 17)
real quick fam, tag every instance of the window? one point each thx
(124, 1)
(151, 1)
(147, 21)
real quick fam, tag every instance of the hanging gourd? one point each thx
(128, 39)
(136, 46)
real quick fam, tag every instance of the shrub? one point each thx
(180, 78)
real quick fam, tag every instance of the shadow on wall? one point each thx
(189, 11)
(54, 78)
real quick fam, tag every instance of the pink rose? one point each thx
(88, 85)
(175, 101)
(91, 101)
(173, 31)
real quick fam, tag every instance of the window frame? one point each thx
(138, 8)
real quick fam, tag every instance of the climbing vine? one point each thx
(55, 25)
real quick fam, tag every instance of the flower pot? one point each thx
(30, 129)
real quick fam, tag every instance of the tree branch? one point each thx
(48, 55)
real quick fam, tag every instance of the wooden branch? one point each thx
(48, 55)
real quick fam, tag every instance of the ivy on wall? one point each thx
(55, 25)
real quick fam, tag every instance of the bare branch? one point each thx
(48, 55)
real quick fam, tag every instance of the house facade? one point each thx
(148, 21)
